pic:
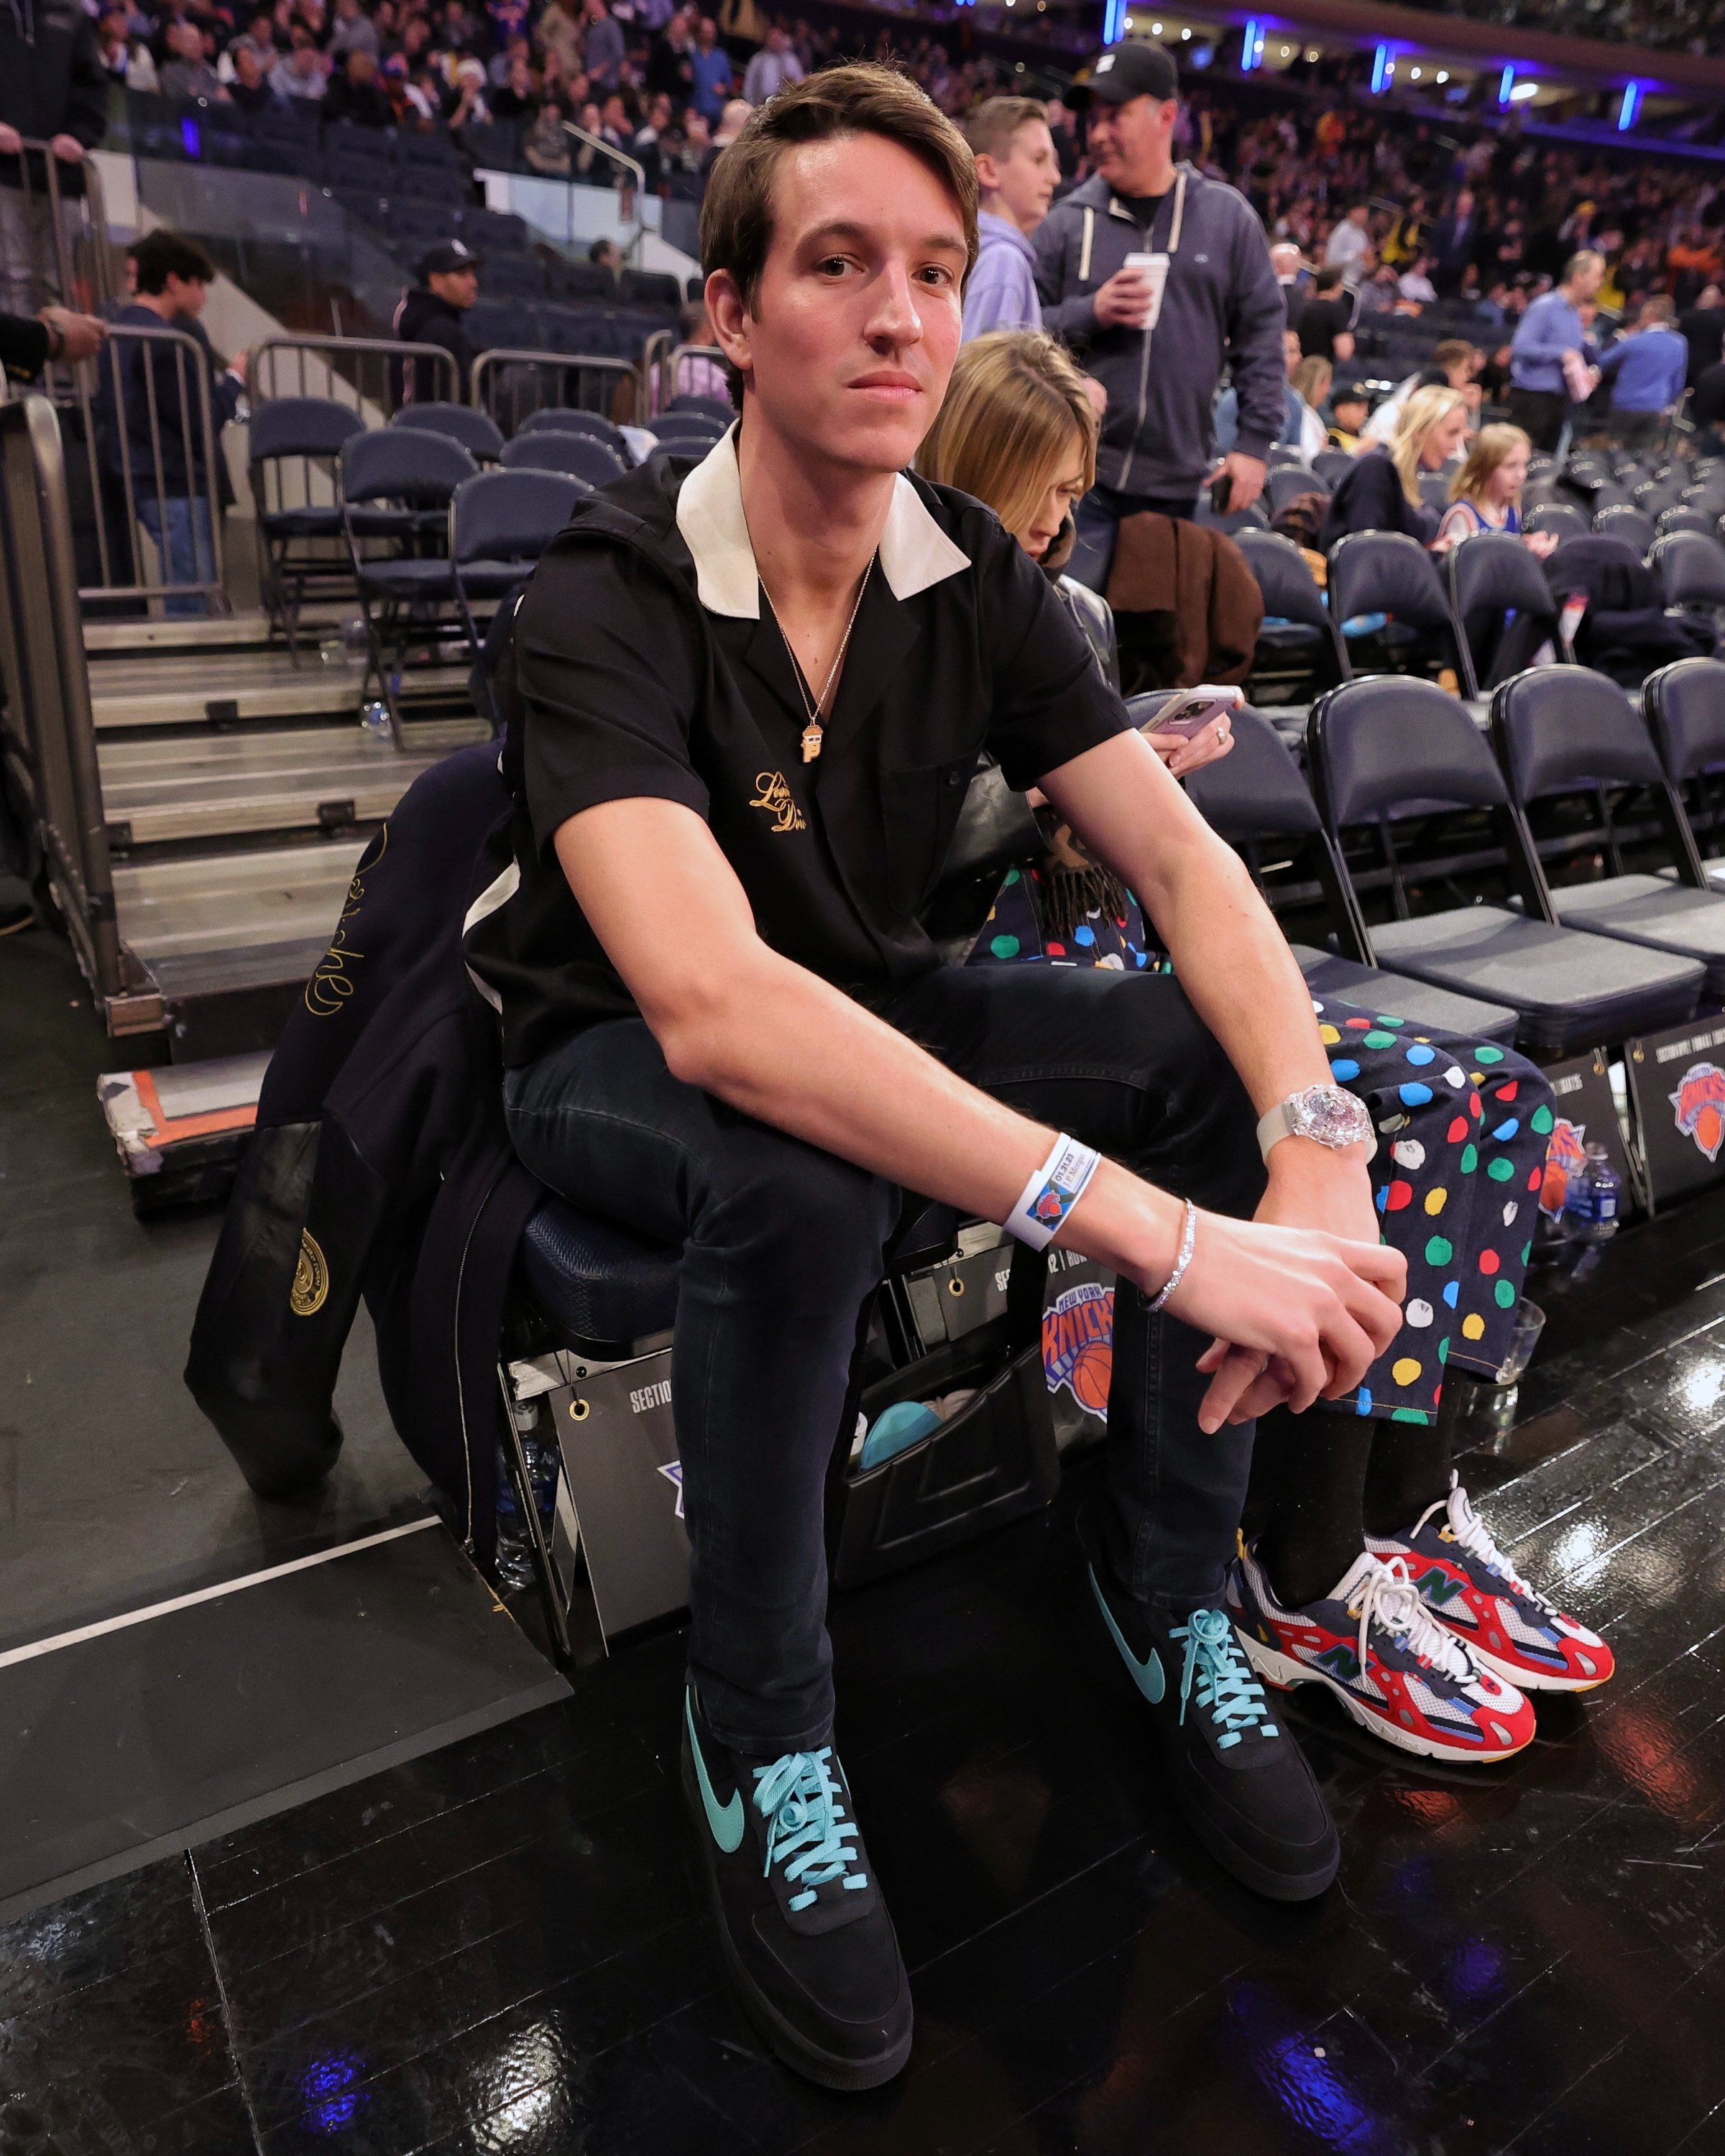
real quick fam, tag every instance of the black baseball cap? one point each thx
(1135, 69)
(447, 255)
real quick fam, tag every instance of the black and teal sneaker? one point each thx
(801, 1923)
(1239, 1778)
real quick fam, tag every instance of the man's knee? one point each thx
(774, 1200)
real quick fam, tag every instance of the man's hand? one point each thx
(80, 334)
(67, 149)
(237, 365)
(1312, 1188)
(11, 142)
(1297, 1314)
(1123, 302)
(1247, 475)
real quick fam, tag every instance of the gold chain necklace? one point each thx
(816, 708)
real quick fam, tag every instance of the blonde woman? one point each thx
(1018, 430)
(1486, 495)
(1310, 382)
(1382, 492)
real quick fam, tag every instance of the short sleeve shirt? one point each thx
(647, 664)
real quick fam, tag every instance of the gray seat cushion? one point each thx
(1396, 995)
(1650, 910)
(1569, 991)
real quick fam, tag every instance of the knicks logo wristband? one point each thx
(1051, 1193)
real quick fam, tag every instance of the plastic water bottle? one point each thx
(374, 717)
(1590, 1205)
(514, 1551)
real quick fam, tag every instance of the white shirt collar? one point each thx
(915, 553)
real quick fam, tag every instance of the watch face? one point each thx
(1330, 1116)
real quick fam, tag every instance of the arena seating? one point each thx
(1382, 751)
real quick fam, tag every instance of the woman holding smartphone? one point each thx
(1369, 1540)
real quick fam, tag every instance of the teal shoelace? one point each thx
(1227, 1691)
(806, 1827)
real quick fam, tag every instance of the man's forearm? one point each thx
(1230, 957)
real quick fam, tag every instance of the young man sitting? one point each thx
(749, 697)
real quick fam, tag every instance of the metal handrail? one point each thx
(260, 368)
(101, 291)
(49, 724)
(490, 362)
(191, 368)
(597, 142)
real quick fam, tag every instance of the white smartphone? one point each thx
(1190, 710)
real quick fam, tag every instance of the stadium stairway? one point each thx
(239, 791)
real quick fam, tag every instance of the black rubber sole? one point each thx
(1273, 1885)
(830, 2069)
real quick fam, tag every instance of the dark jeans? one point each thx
(782, 1244)
(1635, 431)
(1540, 413)
(1096, 520)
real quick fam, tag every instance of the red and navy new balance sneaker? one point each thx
(1397, 1671)
(1468, 1584)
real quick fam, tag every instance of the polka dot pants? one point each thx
(1463, 1127)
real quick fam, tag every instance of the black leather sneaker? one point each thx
(1240, 1777)
(804, 1930)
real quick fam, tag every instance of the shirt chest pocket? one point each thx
(919, 811)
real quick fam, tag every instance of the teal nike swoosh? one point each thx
(727, 1820)
(1148, 1676)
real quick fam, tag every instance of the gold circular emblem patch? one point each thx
(311, 1278)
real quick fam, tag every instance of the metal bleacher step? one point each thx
(216, 922)
(169, 688)
(142, 636)
(307, 777)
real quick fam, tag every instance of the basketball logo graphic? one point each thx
(1563, 1156)
(1698, 1106)
(1078, 1344)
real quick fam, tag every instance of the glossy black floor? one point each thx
(496, 1948)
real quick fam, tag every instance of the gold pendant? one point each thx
(811, 741)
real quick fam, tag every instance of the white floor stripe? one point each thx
(35, 1647)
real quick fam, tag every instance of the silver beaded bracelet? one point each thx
(1188, 1238)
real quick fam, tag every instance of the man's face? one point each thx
(1025, 177)
(706, 33)
(246, 67)
(1464, 204)
(1587, 280)
(185, 295)
(457, 288)
(1350, 414)
(1290, 350)
(1359, 215)
(854, 330)
(1128, 142)
(361, 67)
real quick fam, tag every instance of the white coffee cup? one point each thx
(1153, 269)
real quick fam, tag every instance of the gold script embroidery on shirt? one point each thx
(774, 796)
(332, 982)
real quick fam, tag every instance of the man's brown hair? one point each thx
(990, 128)
(737, 216)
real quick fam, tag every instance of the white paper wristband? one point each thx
(1051, 1193)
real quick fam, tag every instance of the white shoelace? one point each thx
(1390, 1598)
(1474, 1537)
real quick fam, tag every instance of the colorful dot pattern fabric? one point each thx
(1462, 1128)
(1013, 934)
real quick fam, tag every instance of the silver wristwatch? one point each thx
(1323, 1113)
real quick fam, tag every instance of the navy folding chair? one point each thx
(1287, 483)
(1256, 794)
(709, 408)
(397, 484)
(475, 432)
(577, 456)
(1622, 521)
(1298, 632)
(500, 522)
(1562, 519)
(1500, 597)
(1573, 732)
(1384, 750)
(1691, 570)
(573, 420)
(297, 540)
(1686, 520)
(1684, 704)
(1389, 573)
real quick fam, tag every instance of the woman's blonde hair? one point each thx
(1492, 446)
(1006, 432)
(1424, 410)
(1311, 378)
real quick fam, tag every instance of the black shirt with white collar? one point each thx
(647, 665)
